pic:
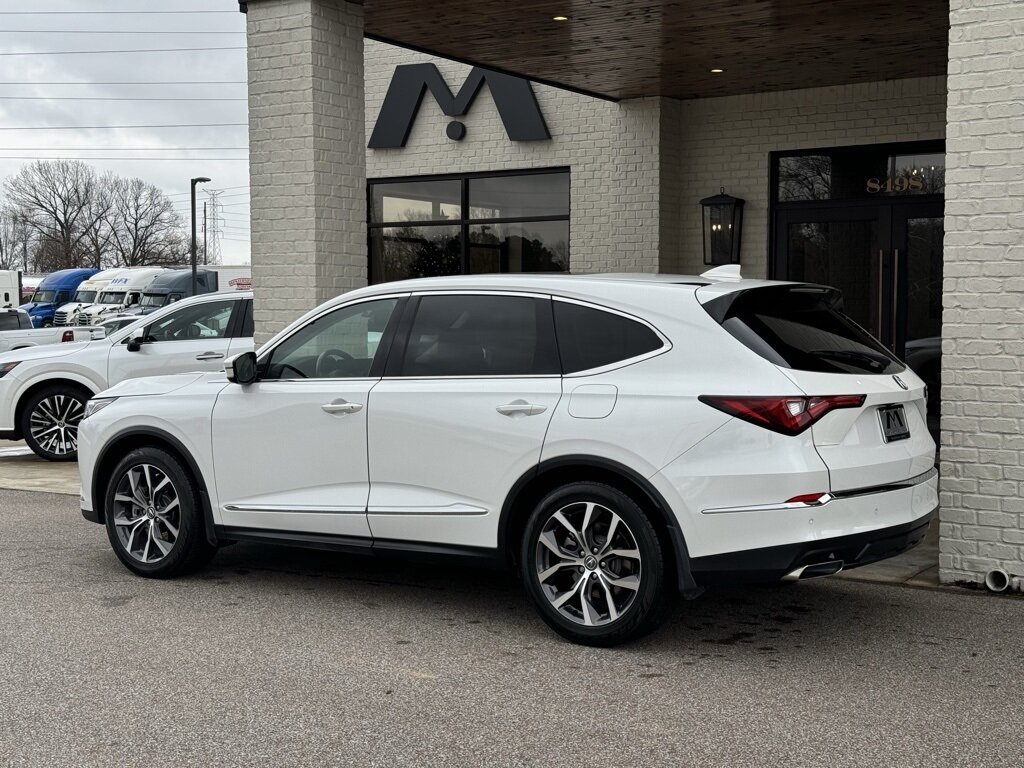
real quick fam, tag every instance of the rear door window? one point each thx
(802, 327)
(593, 338)
(481, 335)
(9, 321)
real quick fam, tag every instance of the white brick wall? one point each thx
(307, 156)
(725, 142)
(982, 487)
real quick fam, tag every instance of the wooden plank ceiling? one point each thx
(630, 48)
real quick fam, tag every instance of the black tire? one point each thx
(642, 612)
(47, 323)
(67, 403)
(190, 549)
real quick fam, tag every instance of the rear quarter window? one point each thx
(592, 338)
(803, 328)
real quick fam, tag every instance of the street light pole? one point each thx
(195, 277)
(204, 234)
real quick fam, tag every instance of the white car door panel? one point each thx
(194, 338)
(308, 473)
(460, 415)
(443, 456)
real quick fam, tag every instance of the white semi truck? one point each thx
(84, 300)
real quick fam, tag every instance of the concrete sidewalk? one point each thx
(22, 470)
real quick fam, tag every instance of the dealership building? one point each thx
(873, 145)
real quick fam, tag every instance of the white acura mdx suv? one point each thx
(617, 439)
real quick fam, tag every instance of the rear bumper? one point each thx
(772, 563)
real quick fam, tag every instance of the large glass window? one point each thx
(515, 222)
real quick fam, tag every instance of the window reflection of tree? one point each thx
(805, 177)
(419, 252)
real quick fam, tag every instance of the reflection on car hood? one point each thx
(44, 351)
(153, 385)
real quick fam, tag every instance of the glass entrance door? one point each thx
(887, 260)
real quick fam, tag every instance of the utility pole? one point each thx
(214, 224)
(195, 277)
(204, 234)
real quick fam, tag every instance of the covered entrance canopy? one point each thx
(625, 49)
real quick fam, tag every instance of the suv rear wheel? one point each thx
(153, 516)
(594, 567)
(49, 421)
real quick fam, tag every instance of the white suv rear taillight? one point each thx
(788, 415)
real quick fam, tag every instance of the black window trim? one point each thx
(382, 355)
(665, 341)
(396, 360)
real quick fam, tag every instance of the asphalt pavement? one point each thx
(279, 657)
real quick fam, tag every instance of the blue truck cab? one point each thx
(54, 290)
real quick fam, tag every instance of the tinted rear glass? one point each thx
(463, 335)
(9, 321)
(803, 328)
(591, 338)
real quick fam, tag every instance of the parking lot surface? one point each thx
(283, 657)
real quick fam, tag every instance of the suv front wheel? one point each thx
(153, 515)
(49, 421)
(594, 567)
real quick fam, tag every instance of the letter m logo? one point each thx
(513, 96)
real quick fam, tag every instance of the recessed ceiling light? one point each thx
(560, 18)
(717, 71)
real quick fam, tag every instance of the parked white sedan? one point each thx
(616, 439)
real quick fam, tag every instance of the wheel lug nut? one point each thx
(594, 550)
(582, 553)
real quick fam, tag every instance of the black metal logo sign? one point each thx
(513, 96)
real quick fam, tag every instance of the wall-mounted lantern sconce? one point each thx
(723, 221)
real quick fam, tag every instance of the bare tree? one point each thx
(14, 240)
(59, 201)
(143, 226)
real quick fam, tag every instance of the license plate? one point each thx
(894, 423)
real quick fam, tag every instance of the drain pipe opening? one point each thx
(997, 580)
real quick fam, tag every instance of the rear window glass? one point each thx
(9, 321)
(592, 338)
(803, 328)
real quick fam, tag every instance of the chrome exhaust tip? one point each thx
(814, 571)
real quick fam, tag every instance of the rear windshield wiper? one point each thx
(874, 361)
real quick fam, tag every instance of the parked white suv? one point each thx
(43, 390)
(618, 439)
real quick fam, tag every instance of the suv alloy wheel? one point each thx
(49, 422)
(153, 517)
(594, 566)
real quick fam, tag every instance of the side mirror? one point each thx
(135, 343)
(241, 369)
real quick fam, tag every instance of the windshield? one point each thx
(43, 297)
(108, 297)
(802, 327)
(153, 299)
(85, 297)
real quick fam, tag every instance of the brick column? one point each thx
(307, 155)
(645, 185)
(982, 487)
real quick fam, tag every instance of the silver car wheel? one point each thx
(54, 424)
(588, 564)
(147, 513)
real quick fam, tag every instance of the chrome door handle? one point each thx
(520, 408)
(341, 406)
(210, 356)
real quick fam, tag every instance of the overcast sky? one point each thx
(89, 77)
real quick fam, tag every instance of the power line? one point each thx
(126, 50)
(123, 98)
(221, 189)
(97, 127)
